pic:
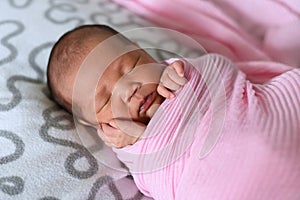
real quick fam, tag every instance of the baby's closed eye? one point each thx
(128, 69)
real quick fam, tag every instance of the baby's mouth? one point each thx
(146, 103)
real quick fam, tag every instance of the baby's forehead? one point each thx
(104, 57)
(85, 52)
(102, 53)
(106, 51)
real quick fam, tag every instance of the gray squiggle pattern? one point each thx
(104, 180)
(49, 198)
(12, 185)
(107, 180)
(32, 60)
(17, 142)
(56, 122)
(5, 40)
(131, 20)
(14, 3)
(7, 182)
(65, 8)
(17, 96)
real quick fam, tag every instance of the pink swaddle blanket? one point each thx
(225, 135)
(247, 30)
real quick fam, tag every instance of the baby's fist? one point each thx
(172, 79)
(120, 133)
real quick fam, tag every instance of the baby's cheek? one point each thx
(105, 115)
(134, 115)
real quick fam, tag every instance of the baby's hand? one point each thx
(120, 133)
(172, 79)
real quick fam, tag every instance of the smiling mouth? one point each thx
(146, 103)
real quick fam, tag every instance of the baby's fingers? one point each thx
(178, 67)
(171, 80)
(114, 137)
(129, 127)
(164, 91)
(174, 78)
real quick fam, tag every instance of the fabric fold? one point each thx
(248, 31)
(222, 136)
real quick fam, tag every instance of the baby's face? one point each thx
(127, 89)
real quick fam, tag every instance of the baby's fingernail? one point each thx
(172, 95)
(181, 74)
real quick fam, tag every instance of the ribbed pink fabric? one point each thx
(248, 30)
(247, 123)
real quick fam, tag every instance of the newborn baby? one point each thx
(147, 87)
(231, 132)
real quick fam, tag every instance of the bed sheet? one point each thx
(41, 154)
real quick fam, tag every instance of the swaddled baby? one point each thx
(230, 132)
(145, 89)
